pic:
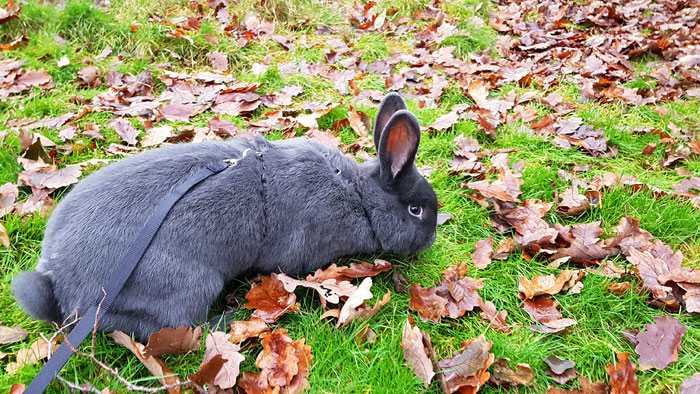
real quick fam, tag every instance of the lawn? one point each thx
(361, 52)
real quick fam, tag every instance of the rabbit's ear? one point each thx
(398, 145)
(391, 103)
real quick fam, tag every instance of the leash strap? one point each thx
(118, 278)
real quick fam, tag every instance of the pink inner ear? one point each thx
(399, 145)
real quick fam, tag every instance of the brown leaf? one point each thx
(415, 353)
(92, 130)
(482, 253)
(622, 379)
(156, 136)
(466, 370)
(36, 352)
(506, 188)
(50, 178)
(619, 289)
(543, 284)
(428, 304)
(586, 388)
(359, 122)
(11, 334)
(218, 60)
(560, 370)
(172, 341)
(218, 344)
(242, 330)
(17, 388)
(270, 299)
(649, 268)
(8, 196)
(90, 76)
(125, 130)
(399, 281)
(208, 371)
(10, 12)
(154, 364)
(284, 364)
(687, 184)
(504, 249)
(572, 202)
(354, 270)
(691, 385)
(324, 137)
(34, 78)
(504, 375)
(495, 318)
(649, 149)
(5, 242)
(176, 112)
(223, 127)
(330, 290)
(658, 346)
(630, 236)
(543, 309)
(445, 121)
(236, 108)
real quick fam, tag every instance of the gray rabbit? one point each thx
(291, 205)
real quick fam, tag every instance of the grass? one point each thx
(340, 364)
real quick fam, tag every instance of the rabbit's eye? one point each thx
(415, 210)
(337, 171)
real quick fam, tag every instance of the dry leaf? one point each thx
(173, 341)
(218, 344)
(622, 379)
(242, 330)
(154, 364)
(415, 354)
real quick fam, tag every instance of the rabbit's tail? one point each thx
(34, 292)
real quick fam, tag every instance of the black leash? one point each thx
(119, 276)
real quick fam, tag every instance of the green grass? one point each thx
(340, 365)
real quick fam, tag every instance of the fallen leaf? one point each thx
(415, 353)
(691, 385)
(10, 334)
(658, 346)
(90, 76)
(270, 299)
(495, 318)
(560, 370)
(218, 344)
(622, 379)
(242, 330)
(172, 341)
(482, 253)
(504, 375)
(353, 271)
(355, 300)
(125, 130)
(5, 242)
(543, 284)
(218, 60)
(208, 371)
(154, 364)
(466, 370)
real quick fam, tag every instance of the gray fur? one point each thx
(294, 208)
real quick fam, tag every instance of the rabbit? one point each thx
(292, 205)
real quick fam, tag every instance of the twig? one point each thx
(91, 356)
(97, 317)
(78, 387)
(130, 386)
